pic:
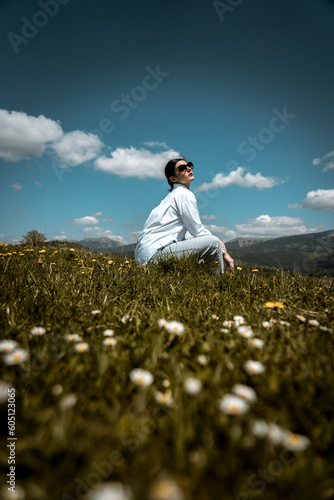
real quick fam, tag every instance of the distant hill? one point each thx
(306, 253)
(103, 245)
(244, 242)
(98, 245)
(106, 245)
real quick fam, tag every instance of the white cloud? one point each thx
(238, 177)
(132, 162)
(60, 236)
(17, 186)
(294, 205)
(135, 234)
(22, 136)
(108, 219)
(209, 217)
(97, 214)
(221, 230)
(77, 147)
(322, 199)
(21, 211)
(84, 221)
(156, 144)
(99, 232)
(264, 225)
(39, 184)
(326, 160)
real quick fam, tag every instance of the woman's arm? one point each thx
(187, 208)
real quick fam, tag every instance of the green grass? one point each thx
(117, 431)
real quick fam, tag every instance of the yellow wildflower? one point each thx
(273, 305)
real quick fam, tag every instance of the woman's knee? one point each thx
(215, 242)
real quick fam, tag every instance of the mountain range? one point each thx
(306, 253)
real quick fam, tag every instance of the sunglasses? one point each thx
(182, 168)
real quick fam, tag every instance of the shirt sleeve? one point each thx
(187, 206)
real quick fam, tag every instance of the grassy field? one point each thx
(200, 423)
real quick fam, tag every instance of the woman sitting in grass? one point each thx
(174, 227)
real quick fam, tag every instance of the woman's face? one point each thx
(183, 175)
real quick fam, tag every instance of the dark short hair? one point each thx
(170, 169)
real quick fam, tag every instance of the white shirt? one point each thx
(175, 219)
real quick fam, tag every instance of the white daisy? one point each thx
(125, 318)
(8, 345)
(162, 323)
(141, 377)
(253, 367)
(192, 386)
(175, 327)
(108, 333)
(17, 494)
(228, 324)
(259, 428)
(165, 489)
(57, 389)
(255, 342)
(313, 322)
(245, 331)
(109, 342)
(301, 318)
(73, 337)
(95, 312)
(244, 392)
(81, 347)
(37, 330)
(202, 360)
(16, 357)
(295, 442)
(164, 398)
(68, 401)
(111, 491)
(233, 405)
(276, 434)
(325, 329)
(266, 324)
(238, 320)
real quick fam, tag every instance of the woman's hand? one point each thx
(229, 262)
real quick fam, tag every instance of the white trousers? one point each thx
(205, 247)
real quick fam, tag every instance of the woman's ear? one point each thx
(172, 179)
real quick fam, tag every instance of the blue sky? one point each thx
(97, 96)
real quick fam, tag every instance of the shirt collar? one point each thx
(179, 186)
